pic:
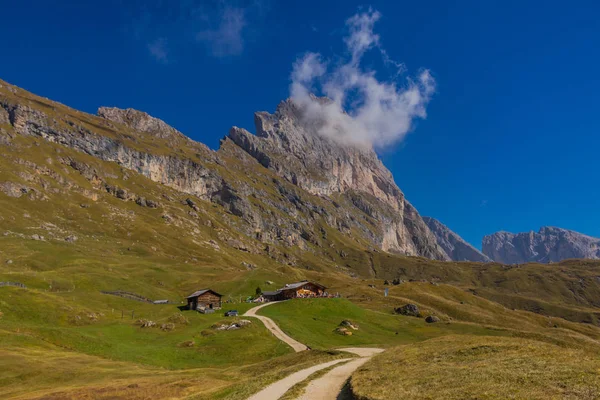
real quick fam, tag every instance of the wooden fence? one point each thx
(16, 284)
(136, 297)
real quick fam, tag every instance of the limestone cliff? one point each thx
(323, 184)
(285, 143)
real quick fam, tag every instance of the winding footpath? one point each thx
(326, 387)
(272, 326)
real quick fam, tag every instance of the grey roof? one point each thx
(273, 293)
(296, 285)
(201, 292)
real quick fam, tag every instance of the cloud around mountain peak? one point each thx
(364, 109)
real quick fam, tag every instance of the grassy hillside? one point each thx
(468, 367)
(313, 322)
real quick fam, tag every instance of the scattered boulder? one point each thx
(231, 326)
(411, 310)
(192, 205)
(93, 316)
(167, 327)
(13, 190)
(187, 343)
(432, 319)
(122, 194)
(71, 239)
(343, 331)
(37, 237)
(151, 203)
(349, 324)
(237, 244)
(249, 266)
(145, 323)
(141, 201)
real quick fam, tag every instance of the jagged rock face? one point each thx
(180, 173)
(550, 244)
(285, 143)
(454, 246)
(320, 166)
(140, 121)
(323, 183)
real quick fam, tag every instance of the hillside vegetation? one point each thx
(468, 367)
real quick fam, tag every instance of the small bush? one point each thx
(60, 286)
(179, 319)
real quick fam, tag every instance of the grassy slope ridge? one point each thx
(468, 367)
(62, 337)
(313, 322)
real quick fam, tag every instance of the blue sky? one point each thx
(510, 140)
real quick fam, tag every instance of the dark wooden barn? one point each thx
(205, 298)
(301, 289)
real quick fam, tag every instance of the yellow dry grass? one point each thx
(482, 368)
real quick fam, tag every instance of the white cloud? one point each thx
(227, 38)
(363, 110)
(159, 50)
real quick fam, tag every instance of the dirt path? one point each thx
(329, 386)
(272, 326)
(278, 389)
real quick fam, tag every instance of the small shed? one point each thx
(205, 298)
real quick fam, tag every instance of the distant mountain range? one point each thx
(549, 244)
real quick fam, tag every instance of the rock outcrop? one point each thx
(455, 247)
(140, 121)
(287, 144)
(550, 244)
(184, 174)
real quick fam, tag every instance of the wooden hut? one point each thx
(296, 290)
(205, 298)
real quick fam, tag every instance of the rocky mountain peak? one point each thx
(549, 244)
(455, 247)
(291, 145)
(140, 121)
